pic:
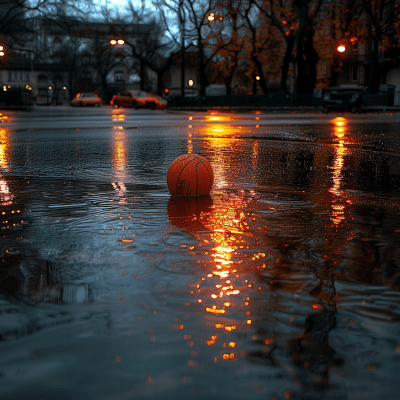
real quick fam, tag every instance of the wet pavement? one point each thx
(283, 283)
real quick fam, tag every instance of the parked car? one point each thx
(349, 98)
(162, 103)
(138, 98)
(86, 99)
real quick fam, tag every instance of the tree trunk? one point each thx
(262, 81)
(202, 72)
(372, 82)
(141, 75)
(286, 61)
(306, 60)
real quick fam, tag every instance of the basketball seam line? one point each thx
(208, 172)
(177, 161)
(182, 171)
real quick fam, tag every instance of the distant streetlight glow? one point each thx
(190, 82)
(341, 48)
(211, 17)
(258, 78)
(113, 42)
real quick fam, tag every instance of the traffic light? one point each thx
(166, 91)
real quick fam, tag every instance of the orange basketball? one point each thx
(190, 175)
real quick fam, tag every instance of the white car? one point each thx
(86, 99)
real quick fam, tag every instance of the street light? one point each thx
(341, 48)
(1, 51)
(120, 42)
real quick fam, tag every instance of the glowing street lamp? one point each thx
(120, 42)
(341, 48)
(211, 17)
(191, 82)
(258, 78)
(1, 51)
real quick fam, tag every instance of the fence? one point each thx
(381, 98)
(16, 99)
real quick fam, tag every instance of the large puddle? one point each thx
(283, 283)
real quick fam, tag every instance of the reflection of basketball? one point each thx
(190, 175)
(189, 213)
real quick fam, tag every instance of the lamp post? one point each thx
(183, 60)
(117, 42)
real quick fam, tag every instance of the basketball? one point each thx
(190, 175)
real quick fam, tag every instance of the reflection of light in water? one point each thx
(254, 155)
(215, 117)
(339, 121)
(119, 161)
(219, 143)
(189, 146)
(340, 153)
(222, 289)
(118, 117)
(6, 196)
(4, 140)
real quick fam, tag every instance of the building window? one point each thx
(118, 76)
(134, 78)
(354, 73)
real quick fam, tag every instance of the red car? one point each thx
(86, 99)
(138, 98)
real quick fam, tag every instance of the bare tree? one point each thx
(144, 32)
(283, 15)
(384, 16)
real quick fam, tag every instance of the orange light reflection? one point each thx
(119, 161)
(219, 138)
(340, 152)
(4, 150)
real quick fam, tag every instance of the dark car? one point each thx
(342, 98)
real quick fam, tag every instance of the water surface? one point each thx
(283, 283)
